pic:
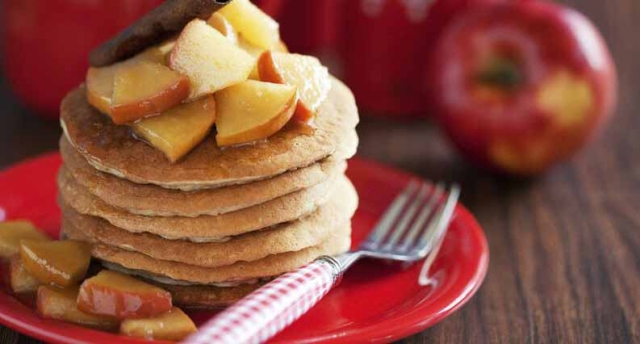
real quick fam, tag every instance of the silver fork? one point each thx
(397, 237)
(411, 229)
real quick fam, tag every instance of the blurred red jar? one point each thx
(385, 46)
(46, 43)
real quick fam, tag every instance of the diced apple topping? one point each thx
(220, 23)
(253, 110)
(121, 296)
(173, 325)
(21, 281)
(11, 232)
(256, 52)
(254, 25)
(60, 304)
(100, 87)
(56, 262)
(177, 131)
(209, 59)
(145, 88)
(100, 81)
(309, 76)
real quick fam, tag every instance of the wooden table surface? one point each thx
(565, 248)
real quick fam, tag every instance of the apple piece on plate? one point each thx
(20, 280)
(173, 325)
(253, 110)
(177, 131)
(220, 23)
(100, 81)
(306, 73)
(209, 59)
(56, 262)
(120, 296)
(60, 304)
(144, 88)
(11, 232)
(252, 24)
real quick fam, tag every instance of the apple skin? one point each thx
(521, 86)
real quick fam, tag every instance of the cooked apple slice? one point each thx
(253, 24)
(56, 262)
(100, 80)
(173, 325)
(252, 110)
(11, 232)
(220, 23)
(177, 131)
(100, 87)
(60, 304)
(120, 296)
(144, 88)
(209, 60)
(20, 280)
(256, 52)
(309, 76)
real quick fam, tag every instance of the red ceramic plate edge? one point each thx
(399, 326)
(404, 325)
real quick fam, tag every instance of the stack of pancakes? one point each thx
(219, 223)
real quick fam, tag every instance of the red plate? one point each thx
(376, 302)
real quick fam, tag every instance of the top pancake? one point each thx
(111, 148)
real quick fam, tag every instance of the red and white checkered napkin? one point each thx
(268, 310)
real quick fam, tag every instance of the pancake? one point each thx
(112, 149)
(195, 295)
(206, 228)
(240, 272)
(202, 296)
(153, 200)
(292, 236)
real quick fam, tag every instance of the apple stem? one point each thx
(501, 73)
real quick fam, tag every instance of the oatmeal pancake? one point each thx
(113, 149)
(151, 200)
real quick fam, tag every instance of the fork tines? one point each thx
(414, 220)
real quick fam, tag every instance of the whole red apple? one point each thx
(520, 86)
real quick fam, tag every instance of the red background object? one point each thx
(47, 42)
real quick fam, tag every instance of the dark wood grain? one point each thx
(565, 248)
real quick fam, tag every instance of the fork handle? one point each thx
(268, 310)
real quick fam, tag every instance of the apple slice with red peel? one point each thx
(56, 262)
(254, 25)
(120, 296)
(144, 88)
(173, 325)
(11, 232)
(20, 280)
(177, 131)
(209, 59)
(100, 81)
(60, 304)
(253, 110)
(309, 76)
